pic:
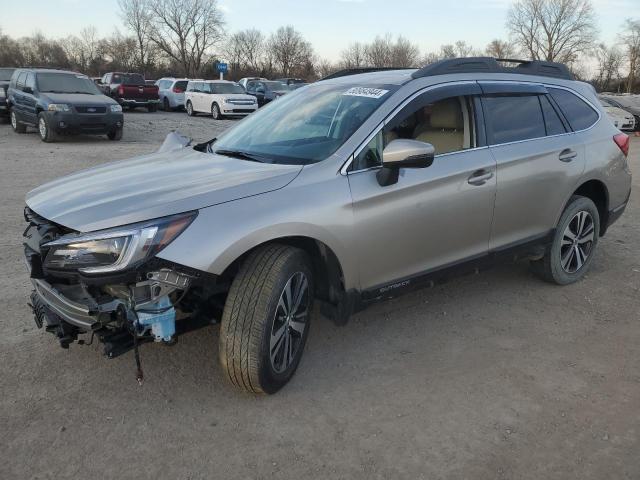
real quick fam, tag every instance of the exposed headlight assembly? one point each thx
(58, 107)
(115, 249)
(116, 108)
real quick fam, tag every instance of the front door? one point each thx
(432, 217)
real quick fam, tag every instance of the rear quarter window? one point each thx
(512, 118)
(577, 112)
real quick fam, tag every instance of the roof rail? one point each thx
(494, 65)
(355, 71)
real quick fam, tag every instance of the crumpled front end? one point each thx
(152, 300)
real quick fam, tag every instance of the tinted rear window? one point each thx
(181, 84)
(129, 79)
(576, 111)
(514, 118)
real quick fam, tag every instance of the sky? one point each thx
(330, 25)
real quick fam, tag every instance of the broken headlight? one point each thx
(115, 249)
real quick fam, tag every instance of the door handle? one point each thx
(567, 155)
(479, 177)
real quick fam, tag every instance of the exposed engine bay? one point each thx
(154, 301)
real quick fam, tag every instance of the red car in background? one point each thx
(130, 90)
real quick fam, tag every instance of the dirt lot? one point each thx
(487, 377)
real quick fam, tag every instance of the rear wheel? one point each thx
(190, 110)
(16, 125)
(574, 244)
(266, 318)
(215, 112)
(44, 129)
(152, 107)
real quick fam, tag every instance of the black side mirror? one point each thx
(27, 90)
(260, 90)
(403, 153)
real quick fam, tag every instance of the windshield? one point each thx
(5, 74)
(128, 79)
(66, 83)
(305, 126)
(225, 88)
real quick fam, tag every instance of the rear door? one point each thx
(432, 217)
(538, 160)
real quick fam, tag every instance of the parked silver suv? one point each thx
(345, 192)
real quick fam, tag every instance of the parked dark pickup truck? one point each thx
(130, 90)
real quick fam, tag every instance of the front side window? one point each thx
(305, 126)
(66, 83)
(579, 115)
(447, 124)
(512, 118)
(30, 82)
(22, 77)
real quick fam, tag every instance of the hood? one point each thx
(79, 98)
(153, 186)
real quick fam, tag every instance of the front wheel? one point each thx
(115, 134)
(215, 112)
(574, 244)
(44, 129)
(266, 318)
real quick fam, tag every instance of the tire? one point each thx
(574, 244)
(190, 110)
(255, 309)
(115, 134)
(15, 124)
(215, 112)
(152, 108)
(44, 129)
(165, 105)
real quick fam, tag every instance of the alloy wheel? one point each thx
(289, 322)
(577, 242)
(14, 121)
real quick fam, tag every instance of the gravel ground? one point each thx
(490, 376)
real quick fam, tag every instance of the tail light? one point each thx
(178, 90)
(120, 90)
(622, 141)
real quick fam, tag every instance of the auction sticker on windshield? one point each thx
(366, 92)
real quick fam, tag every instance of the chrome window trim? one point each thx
(345, 168)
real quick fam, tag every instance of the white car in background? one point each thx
(219, 98)
(171, 92)
(620, 118)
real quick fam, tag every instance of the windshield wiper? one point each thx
(240, 154)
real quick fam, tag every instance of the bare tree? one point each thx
(379, 52)
(609, 62)
(185, 30)
(500, 49)
(136, 15)
(252, 45)
(291, 52)
(353, 56)
(552, 30)
(404, 53)
(630, 40)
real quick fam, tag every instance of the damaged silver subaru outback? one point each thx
(345, 192)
